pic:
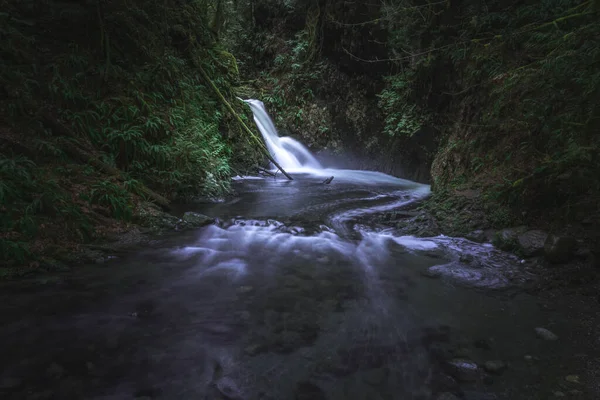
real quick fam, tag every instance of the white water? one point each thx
(294, 157)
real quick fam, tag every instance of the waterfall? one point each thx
(289, 153)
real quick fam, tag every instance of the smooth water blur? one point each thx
(289, 296)
(295, 293)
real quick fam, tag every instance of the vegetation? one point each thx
(104, 108)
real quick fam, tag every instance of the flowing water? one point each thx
(294, 294)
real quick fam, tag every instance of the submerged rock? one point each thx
(545, 334)
(559, 249)
(531, 243)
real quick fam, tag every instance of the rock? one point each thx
(446, 396)
(559, 249)
(545, 334)
(229, 388)
(432, 272)
(559, 394)
(476, 236)
(531, 243)
(196, 220)
(507, 239)
(495, 366)
(463, 370)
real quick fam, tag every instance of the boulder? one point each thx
(196, 220)
(531, 243)
(559, 249)
(476, 236)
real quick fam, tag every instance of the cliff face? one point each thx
(499, 98)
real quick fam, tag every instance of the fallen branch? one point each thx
(243, 125)
(265, 171)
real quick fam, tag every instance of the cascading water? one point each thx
(294, 157)
(289, 153)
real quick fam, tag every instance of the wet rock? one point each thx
(531, 243)
(495, 366)
(476, 236)
(559, 249)
(196, 220)
(507, 239)
(559, 394)
(545, 334)
(228, 388)
(432, 273)
(463, 370)
(447, 396)
(309, 391)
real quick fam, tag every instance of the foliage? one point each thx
(120, 77)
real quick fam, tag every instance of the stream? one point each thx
(294, 294)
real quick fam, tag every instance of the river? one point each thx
(295, 293)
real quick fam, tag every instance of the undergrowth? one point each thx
(112, 82)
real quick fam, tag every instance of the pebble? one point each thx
(545, 334)
(495, 367)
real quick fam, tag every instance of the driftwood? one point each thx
(242, 123)
(79, 154)
(328, 180)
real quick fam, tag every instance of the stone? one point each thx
(477, 236)
(466, 258)
(559, 249)
(229, 388)
(495, 366)
(545, 334)
(531, 243)
(196, 220)
(463, 370)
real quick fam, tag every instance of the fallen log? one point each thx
(242, 123)
(328, 180)
(266, 172)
